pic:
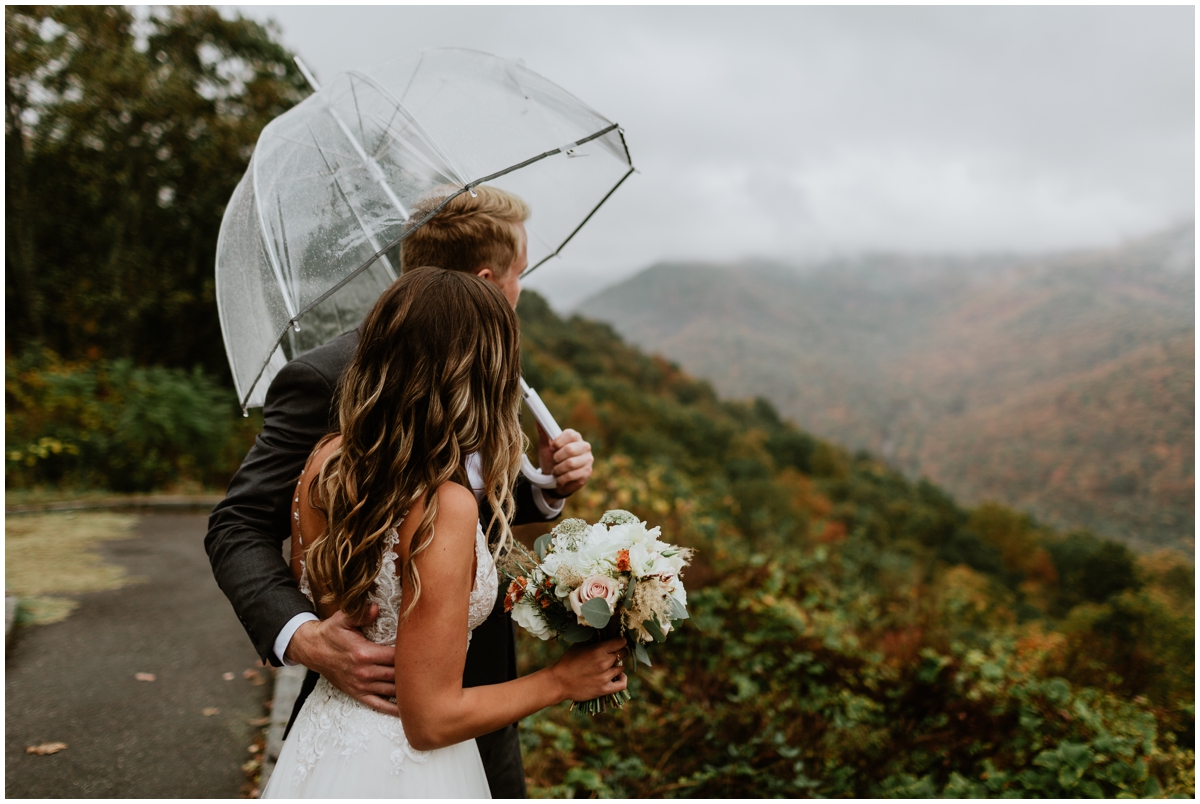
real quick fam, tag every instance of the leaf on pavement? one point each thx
(145, 676)
(227, 676)
(45, 748)
(210, 711)
(259, 721)
(249, 674)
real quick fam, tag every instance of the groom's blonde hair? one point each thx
(469, 233)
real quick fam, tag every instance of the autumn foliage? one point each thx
(855, 633)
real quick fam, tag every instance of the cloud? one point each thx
(784, 131)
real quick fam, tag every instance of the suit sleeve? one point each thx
(247, 529)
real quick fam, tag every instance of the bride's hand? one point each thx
(589, 671)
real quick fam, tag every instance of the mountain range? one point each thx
(1062, 384)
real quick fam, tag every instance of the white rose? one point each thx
(597, 545)
(663, 567)
(640, 560)
(594, 586)
(528, 617)
(635, 533)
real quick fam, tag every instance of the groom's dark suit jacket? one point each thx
(247, 529)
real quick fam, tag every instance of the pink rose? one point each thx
(594, 586)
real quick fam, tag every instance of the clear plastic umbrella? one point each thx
(311, 235)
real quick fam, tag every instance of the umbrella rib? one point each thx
(357, 110)
(358, 219)
(362, 129)
(580, 226)
(283, 237)
(539, 158)
(302, 144)
(265, 232)
(387, 127)
(372, 167)
(625, 145)
(408, 147)
(266, 363)
(420, 130)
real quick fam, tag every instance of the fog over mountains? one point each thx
(1062, 384)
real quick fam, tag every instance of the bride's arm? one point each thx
(431, 645)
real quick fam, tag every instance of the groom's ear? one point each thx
(485, 272)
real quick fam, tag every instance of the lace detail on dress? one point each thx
(333, 721)
(386, 595)
(305, 589)
(487, 585)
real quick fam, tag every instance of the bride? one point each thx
(384, 515)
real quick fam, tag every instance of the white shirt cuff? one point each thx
(549, 507)
(286, 634)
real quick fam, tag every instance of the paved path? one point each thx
(73, 682)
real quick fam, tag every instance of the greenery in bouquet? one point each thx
(595, 582)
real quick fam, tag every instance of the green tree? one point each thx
(124, 139)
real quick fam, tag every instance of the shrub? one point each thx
(113, 425)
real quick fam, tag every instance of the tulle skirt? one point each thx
(339, 748)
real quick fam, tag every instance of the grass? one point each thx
(43, 496)
(50, 558)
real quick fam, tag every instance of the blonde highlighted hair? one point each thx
(469, 233)
(435, 378)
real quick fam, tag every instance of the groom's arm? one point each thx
(246, 530)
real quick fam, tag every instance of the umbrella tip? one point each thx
(308, 76)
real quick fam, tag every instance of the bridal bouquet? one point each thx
(596, 582)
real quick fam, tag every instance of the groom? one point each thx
(483, 234)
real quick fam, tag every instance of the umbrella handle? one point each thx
(539, 479)
(551, 428)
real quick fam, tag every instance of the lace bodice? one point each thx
(333, 721)
(386, 593)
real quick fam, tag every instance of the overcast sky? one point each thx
(797, 132)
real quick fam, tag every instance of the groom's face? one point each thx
(510, 283)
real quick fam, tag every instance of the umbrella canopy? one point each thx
(311, 235)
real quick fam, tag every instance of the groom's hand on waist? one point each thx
(336, 648)
(569, 458)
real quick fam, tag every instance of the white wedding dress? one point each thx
(340, 748)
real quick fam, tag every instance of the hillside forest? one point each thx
(1060, 384)
(854, 632)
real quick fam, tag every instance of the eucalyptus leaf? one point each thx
(577, 633)
(629, 589)
(643, 656)
(542, 545)
(678, 610)
(596, 612)
(652, 627)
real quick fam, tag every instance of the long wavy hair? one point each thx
(435, 378)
